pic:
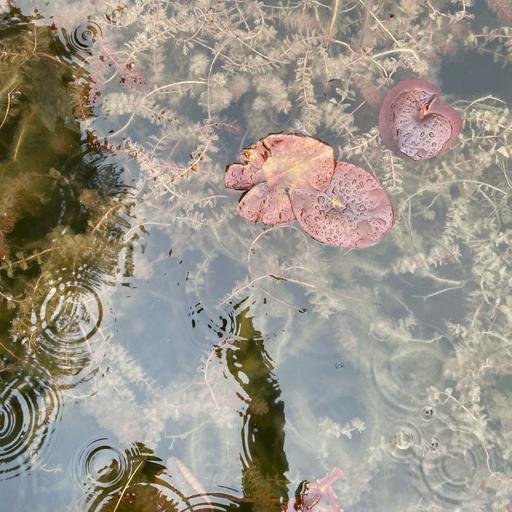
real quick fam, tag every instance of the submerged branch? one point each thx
(329, 33)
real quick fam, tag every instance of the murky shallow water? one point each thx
(159, 352)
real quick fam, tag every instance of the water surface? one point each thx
(158, 351)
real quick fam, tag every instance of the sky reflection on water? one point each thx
(158, 352)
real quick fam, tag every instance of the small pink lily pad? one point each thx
(354, 210)
(415, 123)
(283, 163)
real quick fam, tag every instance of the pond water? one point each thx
(159, 352)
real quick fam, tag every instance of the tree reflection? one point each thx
(263, 458)
(62, 226)
(61, 230)
(139, 481)
(61, 201)
(139, 484)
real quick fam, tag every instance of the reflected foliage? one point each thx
(263, 458)
(138, 485)
(61, 227)
(418, 416)
(135, 479)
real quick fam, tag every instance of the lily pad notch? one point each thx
(415, 123)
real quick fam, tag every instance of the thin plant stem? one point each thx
(379, 22)
(330, 30)
(127, 484)
(28, 258)
(7, 108)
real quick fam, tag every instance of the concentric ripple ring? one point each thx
(458, 468)
(83, 36)
(101, 465)
(28, 409)
(69, 316)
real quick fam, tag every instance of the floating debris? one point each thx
(318, 496)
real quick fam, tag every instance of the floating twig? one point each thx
(127, 484)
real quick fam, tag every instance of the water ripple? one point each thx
(202, 297)
(70, 315)
(83, 36)
(456, 466)
(405, 441)
(100, 465)
(116, 479)
(402, 377)
(29, 407)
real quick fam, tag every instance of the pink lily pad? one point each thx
(256, 154)
(319, 496)
(266, 204)
(283, 163)
(296, 161)
(415, 123)
(354, 210)
(241, 177)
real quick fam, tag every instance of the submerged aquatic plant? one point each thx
(414, 123)
(503, 8)
(58, 243)
(294, 176)
(441, 282)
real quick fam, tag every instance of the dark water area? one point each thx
(159, 352)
